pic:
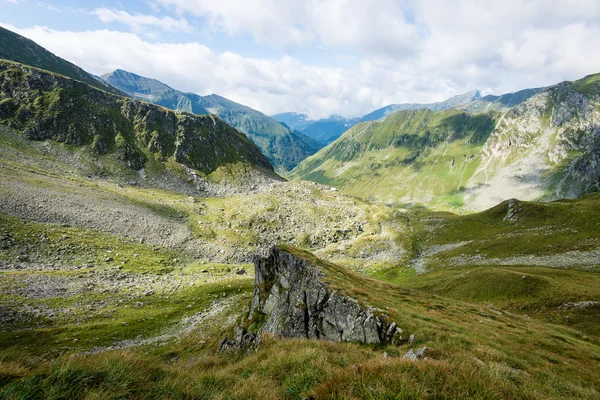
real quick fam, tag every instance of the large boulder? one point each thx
(291, 300)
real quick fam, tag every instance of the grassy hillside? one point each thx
(17, 48)
(544, 148)
(110, 289)
(473, 351)
(284, 147)
(539, 259)
(48, 106)
(410, 157)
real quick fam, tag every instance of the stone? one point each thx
(415, 355)
(241, 272)
(242, 340)
(293, 302)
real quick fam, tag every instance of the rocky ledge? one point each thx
(291, 300)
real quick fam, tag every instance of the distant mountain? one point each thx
(284, 147)
(499, 103)
(293, 120)
(17, 48)
(329, 129)
(546, 147)
(452, 102)
(324, 130)
(48, 106)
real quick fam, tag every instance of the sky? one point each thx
(322, 57)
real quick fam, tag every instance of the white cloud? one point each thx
(396, 51)
(48, 6)
(138, 22)
(373, 26)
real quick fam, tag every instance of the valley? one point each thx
(150, 249)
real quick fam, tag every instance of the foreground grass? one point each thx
(473, 352)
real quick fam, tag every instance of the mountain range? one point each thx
(328, 129)
(545, 147)
(284, 147)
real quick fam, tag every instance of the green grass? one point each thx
(542, 231)
(563, 363)
(422, 156)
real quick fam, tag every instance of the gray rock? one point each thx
(242, 340)
(415, 355)
(293, 302)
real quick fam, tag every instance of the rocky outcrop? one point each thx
(291, 300)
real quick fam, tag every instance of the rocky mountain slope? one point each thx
(284, 147)
(17, 48)
(544, 148)
(48, 106)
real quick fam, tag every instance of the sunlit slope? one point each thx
(544, 148)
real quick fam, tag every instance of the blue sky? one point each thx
(322, 57)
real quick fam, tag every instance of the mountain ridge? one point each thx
(543, 148)
(283, 146)
(49, 106)
(15, 47)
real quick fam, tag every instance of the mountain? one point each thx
(47, 106)
(294, 120)
(324, 130)
(17, 48)
(452, 102)
(546, 147)
(284, 147)
(499, 103)
(131, 279)
(327, 130)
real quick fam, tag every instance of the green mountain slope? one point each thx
(546, 147)
(48, 106)
(17, 48)
(129, 287)
(411, 156)
(284, 147)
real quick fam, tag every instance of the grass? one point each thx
(528, 345)
(78, 247)
(418, 155)
(562, 365)
(496, 261)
